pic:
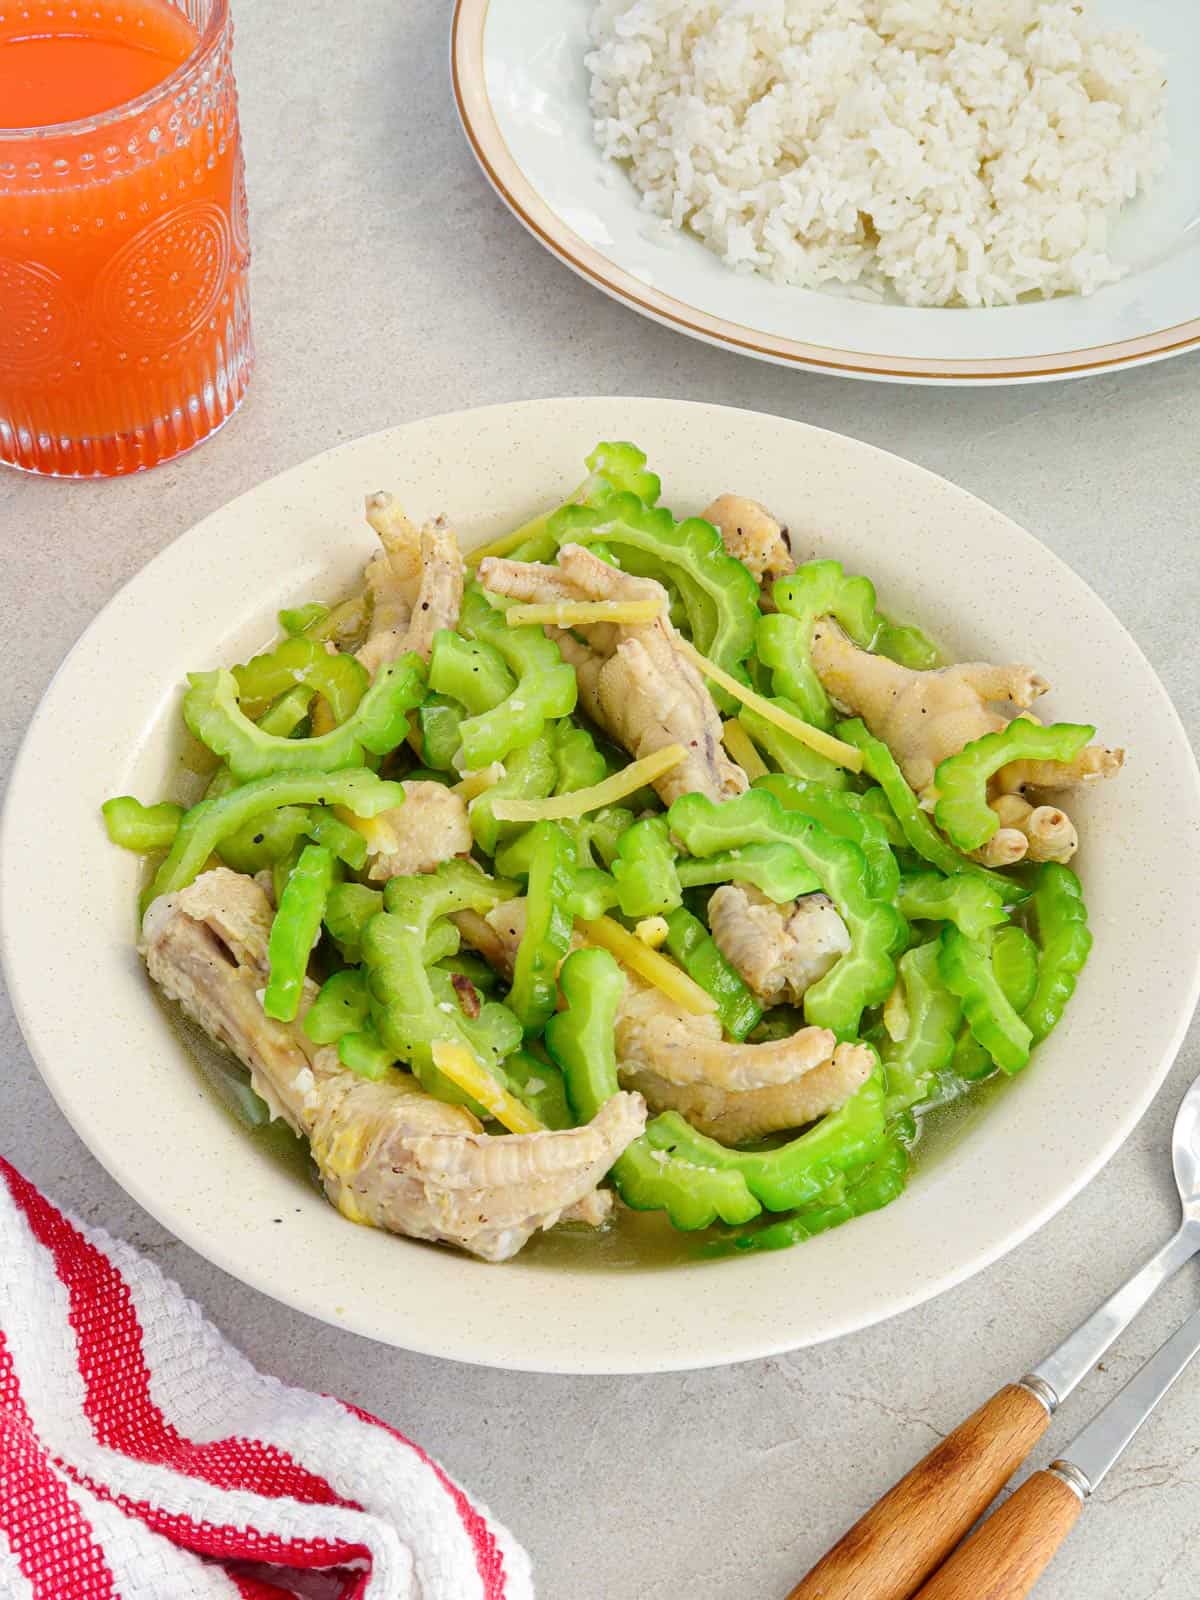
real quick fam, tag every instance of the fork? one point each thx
(891, 1550)
(1008, 1553)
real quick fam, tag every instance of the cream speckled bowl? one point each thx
(123, 1077)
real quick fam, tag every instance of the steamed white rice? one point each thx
(943, 152)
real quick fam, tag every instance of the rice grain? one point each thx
(939, 152)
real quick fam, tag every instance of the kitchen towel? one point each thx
(142, 1457)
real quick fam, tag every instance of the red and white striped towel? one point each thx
(143, 1458)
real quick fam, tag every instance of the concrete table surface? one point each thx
(388, 284)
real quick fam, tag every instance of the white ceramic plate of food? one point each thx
(522, 89)
(130, 1084)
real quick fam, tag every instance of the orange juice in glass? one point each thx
(124, 316)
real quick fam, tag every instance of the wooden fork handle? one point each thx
(1005, 1557)
(890, 1551)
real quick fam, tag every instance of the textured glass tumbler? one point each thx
(124, 315)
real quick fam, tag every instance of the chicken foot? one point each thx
(389, 1154)
(633, 681)
(679, 1062)
(416, 583)
(925, 717)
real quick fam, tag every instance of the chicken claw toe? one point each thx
(1005, 848)
(415, 581)
(753, 536)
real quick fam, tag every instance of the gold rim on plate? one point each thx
(510, 183)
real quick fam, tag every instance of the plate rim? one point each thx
(504, 173)
(729, 1346)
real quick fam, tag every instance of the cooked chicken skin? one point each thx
(389, 1154)
(439, 597)
(489, 1195)
(429, 828)
(654, 1033)
(749, 532)
(678, 1061)
(735, 1116)
(923, 717)
(780, 951)
(632, 679)
(732, 1092)
(416, 583)
(593, 1210)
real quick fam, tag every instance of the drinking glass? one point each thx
(124, 312)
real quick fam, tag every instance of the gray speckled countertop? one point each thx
(389, 283)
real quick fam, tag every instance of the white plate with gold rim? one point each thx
(132, 1089)
(521, 88)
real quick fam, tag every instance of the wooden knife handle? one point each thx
(890, 1551)
(1005, 1557)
